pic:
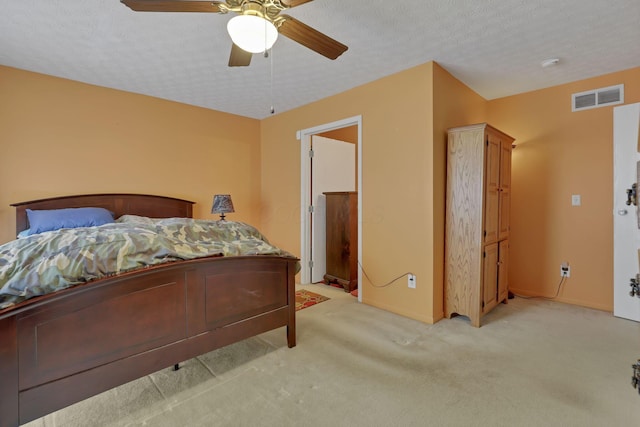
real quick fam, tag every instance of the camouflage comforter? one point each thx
(55, 260)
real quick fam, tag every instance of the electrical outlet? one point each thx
(411, 281)
(565, 270)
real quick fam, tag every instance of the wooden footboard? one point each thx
(62, 348)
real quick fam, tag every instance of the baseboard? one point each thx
(526, 293)
(393, 309)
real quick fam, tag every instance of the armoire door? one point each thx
(490, 278)
(492, 189)
(505, 190)
(503, 270)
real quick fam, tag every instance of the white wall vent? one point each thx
(603, 97)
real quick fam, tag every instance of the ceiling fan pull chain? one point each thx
(273, 110)
(266, 47)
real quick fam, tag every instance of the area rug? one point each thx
(306, 299)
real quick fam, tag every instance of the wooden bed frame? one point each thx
(64, 347)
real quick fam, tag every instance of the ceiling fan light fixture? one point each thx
(252, 33)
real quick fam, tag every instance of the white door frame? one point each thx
(304, 136)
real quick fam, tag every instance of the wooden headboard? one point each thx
(120, 204)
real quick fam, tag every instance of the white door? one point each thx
(626, 234)
(333, 168)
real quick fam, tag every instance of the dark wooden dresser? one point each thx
(342, 239)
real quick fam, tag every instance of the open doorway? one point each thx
(342, 134)
(333, 169)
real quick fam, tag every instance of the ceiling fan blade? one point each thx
(311, 38)
(173, 5)
(239, 57)
(294, 3)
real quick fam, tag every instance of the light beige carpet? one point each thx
(532, 363)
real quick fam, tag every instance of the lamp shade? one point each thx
(252, 33)
(222, 204)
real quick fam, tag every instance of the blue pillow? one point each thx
(55, 219)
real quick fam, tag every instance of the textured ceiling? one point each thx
(494, 46)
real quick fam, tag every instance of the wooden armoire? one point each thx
(342, 239)
(477, 220)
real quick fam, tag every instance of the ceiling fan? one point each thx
(255, 28)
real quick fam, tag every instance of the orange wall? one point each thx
(454, 105)
(560, 153)
(396, 151)
(62, 137)
(59, 137)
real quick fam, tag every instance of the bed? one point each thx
(63, 347)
